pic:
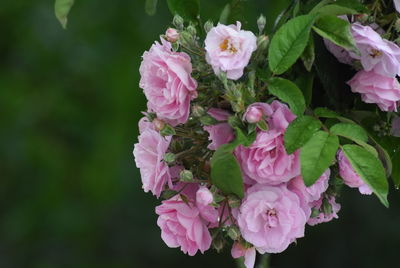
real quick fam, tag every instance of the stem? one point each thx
(263, 261)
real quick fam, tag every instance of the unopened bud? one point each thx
(158, 124)
(361, 17)
(178, 22)
(208, 26)
(198, 111)
(233, 201)
(262, 42)
(186, 39)
(208, 120)
(218, 243)
(192, 30)
(172, 35)
(261, 23)
(253, 115)
(186, 176)
(397, 25)
(233, 232)
(169, 158)
(167, 130)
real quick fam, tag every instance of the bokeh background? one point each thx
(70, 194)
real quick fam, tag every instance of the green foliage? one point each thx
(335, 30)
(396, 170)
(151, 7)
(289, 42)
(62, 8)
(350, 131)
(187, 9)
(299, 132)
(225, 171)
(288, 92)
(370, 170)
(308, 55)
(325, 112)
(317, 155)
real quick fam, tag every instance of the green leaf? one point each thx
(187, 9)
(306, 82)
(308, 55)
(151, 7)
(223, 18)
(350, 131)
(370, 169)
(335, 30)
(317, 155)
(225, 171)
(299, 132)
(62, 8)
(243, 139)
(288, 92)
(289, 42)
(325, 113)
(336, 10)
(396, 170)
(353, 4)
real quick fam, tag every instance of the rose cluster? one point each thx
(232, 148)
(380, 62)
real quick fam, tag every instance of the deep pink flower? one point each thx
(221, 133)
(321, 217)
(271, 218)
(167, 83)
(375, 88)
(377, 54)
(350, 177)
(182, 226)
(149, 154)
(229, 49)
(204, 199)
(249, 254)
(253, 114)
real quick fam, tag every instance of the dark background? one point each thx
(70, 195)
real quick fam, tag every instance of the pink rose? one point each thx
(321, 217)
(349, 176)
(266, 160)
(204, 199)
(229, 49)
(377, 54)
(271, 218)
(221, 133)
(375, 88)
(182, 226)
(149, 154)
(313, 192)
(172, 35)
(249, 254)
(253, 115)
(167, 83)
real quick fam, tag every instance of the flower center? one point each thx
(227, 46)
(375, 53)
(272, 219)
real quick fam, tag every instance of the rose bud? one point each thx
(172, 35)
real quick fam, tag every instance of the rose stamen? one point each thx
(226, 45)
(375, 53)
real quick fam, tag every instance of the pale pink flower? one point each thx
(149, 154)
(229, 49)
(321, 217)
(249, 254)
(341, 54)
(271, 218)
(374, 88)
(397, 5)
(221, 133)
(167, 83)
(172, 35)
(377, 54)
(266, 160)
(182, 226)
(314, 191)
(204, 199)
(349, 175)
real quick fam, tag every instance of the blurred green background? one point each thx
(70, 195)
